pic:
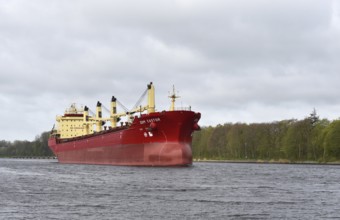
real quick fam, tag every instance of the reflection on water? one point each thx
(45, 189)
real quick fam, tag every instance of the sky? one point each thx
(233, 61)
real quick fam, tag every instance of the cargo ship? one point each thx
(146, 138)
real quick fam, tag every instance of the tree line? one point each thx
(309, 139)
(36, 148)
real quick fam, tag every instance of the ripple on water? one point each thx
(43, 189)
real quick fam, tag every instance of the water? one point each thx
(44, 189)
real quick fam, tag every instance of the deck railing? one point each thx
(183, 108)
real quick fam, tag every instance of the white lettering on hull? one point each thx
(149, 120)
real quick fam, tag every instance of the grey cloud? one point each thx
(233, 61)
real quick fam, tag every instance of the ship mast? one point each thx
(173, 98)
(151, 98)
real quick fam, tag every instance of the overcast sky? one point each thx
(233, 61)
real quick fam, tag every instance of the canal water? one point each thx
(45, 189)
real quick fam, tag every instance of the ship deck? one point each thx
(110, 130)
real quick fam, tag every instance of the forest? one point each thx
(36, 148)
(309, 139)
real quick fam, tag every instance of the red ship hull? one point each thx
(155, 139)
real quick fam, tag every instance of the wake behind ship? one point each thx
(146, 138)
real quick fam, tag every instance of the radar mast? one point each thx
(173, 98)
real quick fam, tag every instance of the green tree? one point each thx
(38, 147)
(317, 140)
(332, 142)
(218, 141)
(236, 145)
(200, 142)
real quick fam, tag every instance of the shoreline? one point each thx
(213, 161)
(267, 162)
(31, 158)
